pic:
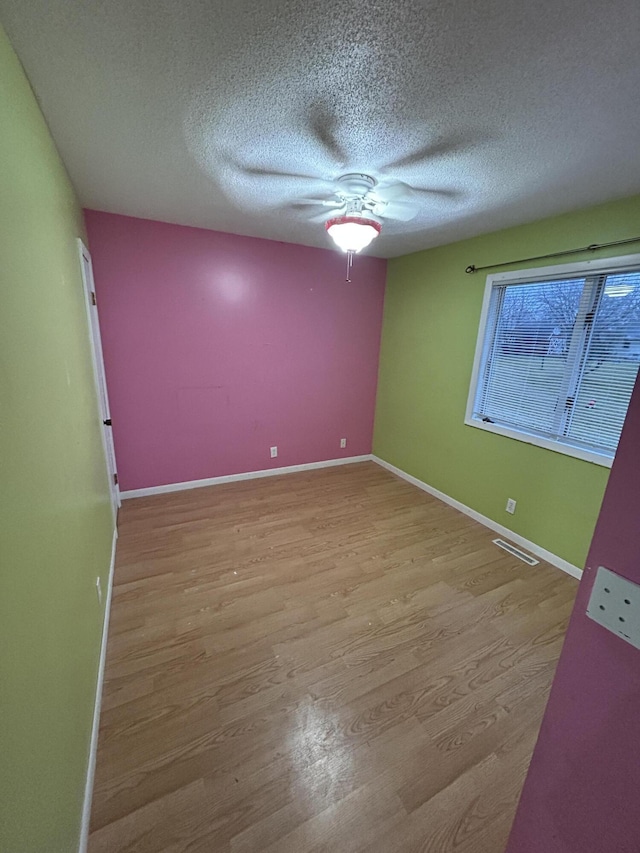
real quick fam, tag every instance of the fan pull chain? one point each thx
(349, 265)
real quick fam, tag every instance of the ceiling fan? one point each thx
(355, 205)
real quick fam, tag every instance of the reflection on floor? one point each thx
(326, 661)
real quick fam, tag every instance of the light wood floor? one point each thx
(329, 661)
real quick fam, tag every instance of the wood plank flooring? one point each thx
(325, 661)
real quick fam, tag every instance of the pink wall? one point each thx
(582, 794)
(217, 347)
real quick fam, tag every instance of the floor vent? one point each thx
(521, 555)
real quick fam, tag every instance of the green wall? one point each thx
(431, 317)
(55, 523)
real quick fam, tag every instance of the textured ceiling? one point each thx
(176, 109)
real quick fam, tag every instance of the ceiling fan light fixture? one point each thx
(352, 233)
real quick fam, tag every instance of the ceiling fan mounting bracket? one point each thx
(355, 185)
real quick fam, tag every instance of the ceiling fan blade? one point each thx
(289, 184)
(395, 200)
(323, 125)
(441, 194)
(430, 151)
(403, 202)
(267, 189)
(320, 200)
(259, 172)
(325, 214)
(402, 209)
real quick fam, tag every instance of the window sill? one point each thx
(546, 443)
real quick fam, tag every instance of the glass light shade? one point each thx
(352, 233)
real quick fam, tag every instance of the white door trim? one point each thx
(93, 747)
(99, 375)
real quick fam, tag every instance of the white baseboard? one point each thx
(556, 561)
(93, 749)
(549, 557)
(249, 475)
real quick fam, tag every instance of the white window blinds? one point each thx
(560, 358)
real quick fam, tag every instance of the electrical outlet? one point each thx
(274, 452)
(511, 506)
(99, 589)
(343, 442)
(615, 604)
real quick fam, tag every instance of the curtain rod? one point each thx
(594, 247)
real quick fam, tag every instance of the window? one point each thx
(557, 356)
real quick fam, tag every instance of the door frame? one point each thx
(100, 379)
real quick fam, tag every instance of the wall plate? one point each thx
(615, 604)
